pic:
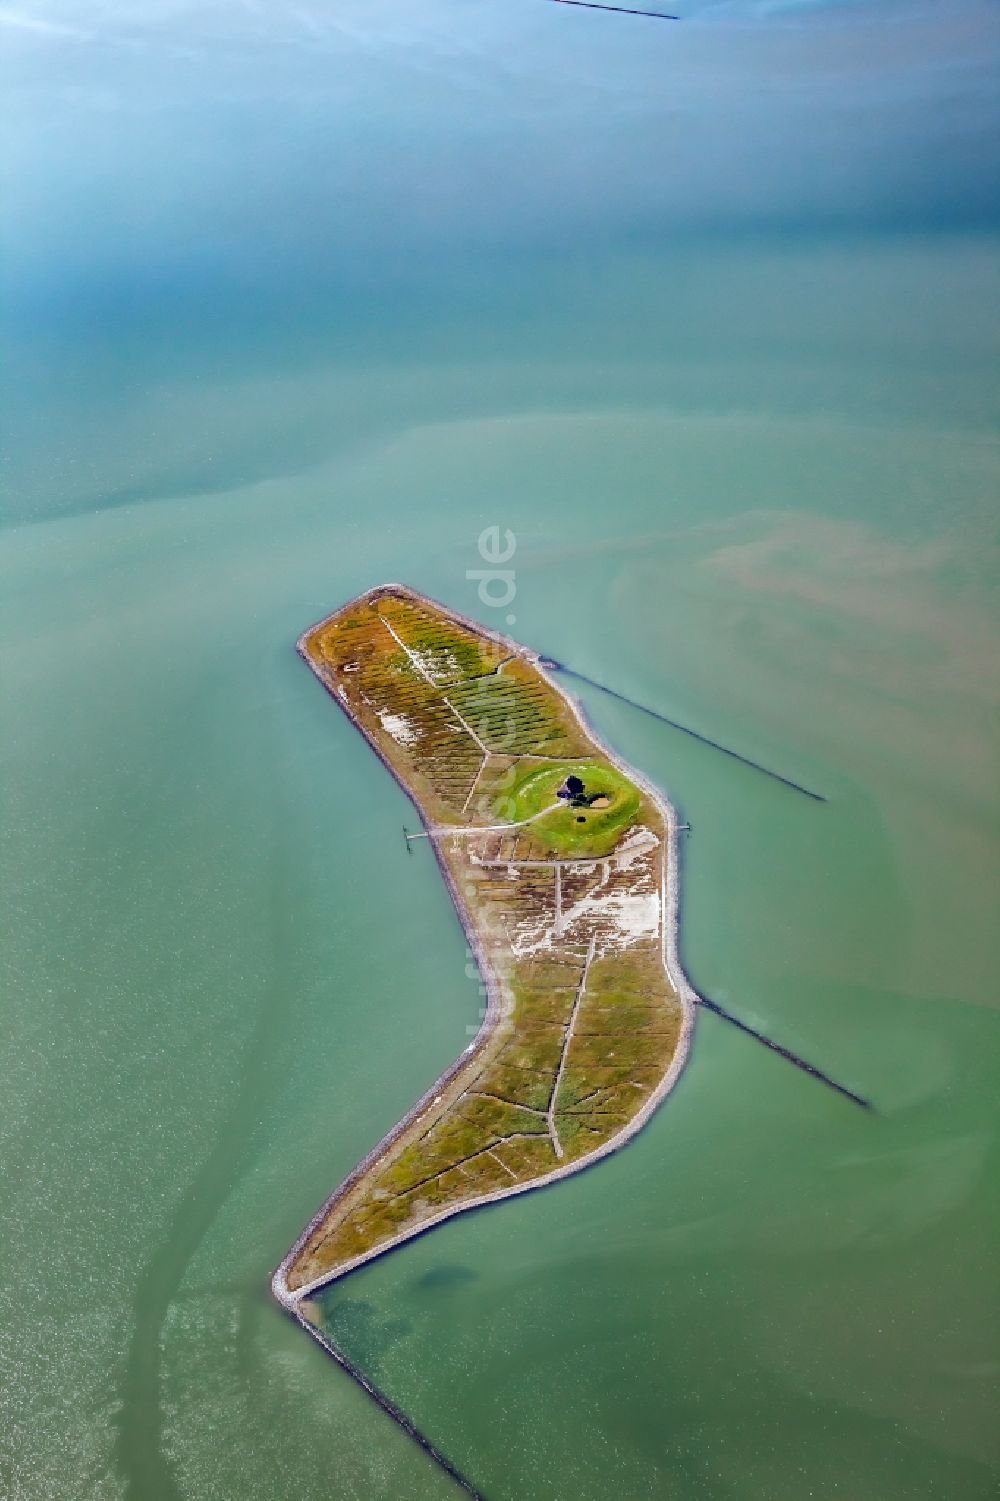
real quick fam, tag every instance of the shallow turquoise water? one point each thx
(752, 477)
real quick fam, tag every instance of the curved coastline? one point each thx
(686, 994)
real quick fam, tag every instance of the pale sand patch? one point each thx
(398, 726)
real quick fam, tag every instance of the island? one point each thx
(562, 864)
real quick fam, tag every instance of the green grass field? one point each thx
(587, 832)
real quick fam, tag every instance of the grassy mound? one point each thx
(569, 830)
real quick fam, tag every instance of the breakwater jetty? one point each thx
(786, 1053)
(623, 10)
(389, 1407)
(776, 776)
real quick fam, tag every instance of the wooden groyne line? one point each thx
(776, 1047)
(623, 10)
(389, 1407)
(675, 724)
